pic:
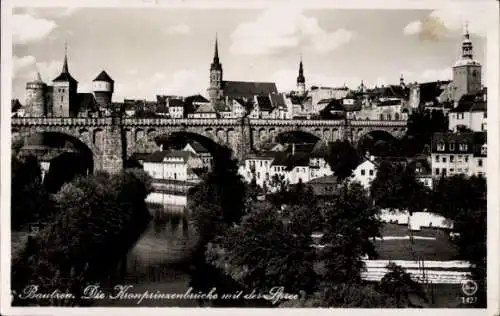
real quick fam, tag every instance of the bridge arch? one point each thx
(296, 136)
(179, 139)
(378, 142)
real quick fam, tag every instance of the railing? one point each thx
(61, 121)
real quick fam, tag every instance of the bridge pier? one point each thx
(113, 148)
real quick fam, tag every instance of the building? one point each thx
(365, 172)
(301, 80)
(175, 108)
(293, 167)
(62, 99)
(17, 109)
(173, 165)
(198, 149)
(318, 165)
(257, 166)
(466, 71)
(324, 186)
(471, 113)
(458, 153)
(320, 93)
(225, 91)
(204, 111)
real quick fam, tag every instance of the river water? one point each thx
(159, 259)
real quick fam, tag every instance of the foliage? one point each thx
(463, 200)
(343, 158)
(98, 219)
(398, 287)
(421, 126)
(219, 200)
(396, 187)
(351, 223)
(265, 251)
(29, 199)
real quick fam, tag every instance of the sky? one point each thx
(169, 50)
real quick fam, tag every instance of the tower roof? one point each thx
(467, 57)
(103, 76)
(65, 76)
(216, 65)
(301, 78)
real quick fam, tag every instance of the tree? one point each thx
(265, 251)
(396, 187)
(463, 200)
(421, 126)
(343, 158)
(399, 288)
(351, 222)
(98, 219)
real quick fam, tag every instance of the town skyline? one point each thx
(332, 52)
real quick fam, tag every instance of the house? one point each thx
(318, 166)
(279, 106)
(257, 166)
(319, 93)
(471, 113)
(223, 110)
(175, 108)
(458, 153)
(205, 110)
(294, 166)
(238, 106)
(17, 108)
(176, 165)
(198, 149)
(324, 186)
(191, 103)
(365, 172)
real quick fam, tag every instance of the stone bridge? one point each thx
(110, 140)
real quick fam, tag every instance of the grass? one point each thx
(441, 249)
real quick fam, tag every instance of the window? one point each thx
(258, 175)
(440, 147)
(261, 163)
(444, 159)
(480, 162)
(452, 146)
(466, 159)
(443, 170)
(460, 116)
(437, 171)
(485, 115)
(463, 147)
(484, 150)
(371, 172)
(437, 158)
(363, 172)
(451, 170)
(452, 158)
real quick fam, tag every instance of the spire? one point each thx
(301, 78)
(216, 51)
(38, 76)
(402, 80)
(467, 44)
(65, 64)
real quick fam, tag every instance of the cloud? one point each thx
(50, 12)
(21, 64)
(280, 28)
(27, 28)
(182, 82)
(450, 20)
(177, 29)
(436, 74)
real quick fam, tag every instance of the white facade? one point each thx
(474, 120)
(297, 174)
(453, 164)
(365, 173)
(172, 168)
(176, 111)
(426, 180)
(318, 168)
(258, 167)
(203, 115)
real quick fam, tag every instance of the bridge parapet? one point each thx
(378, 123)
(278, 122)
(177, 122)
(60, 121)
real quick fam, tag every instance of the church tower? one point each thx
(64, 92)
(215, 89)
(35, 97)
(301, 80)
(466, 71)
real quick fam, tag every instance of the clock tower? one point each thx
(215, 89)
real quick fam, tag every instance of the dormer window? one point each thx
(484, 150)
(440, 147)
(452, 146)
(463, 147)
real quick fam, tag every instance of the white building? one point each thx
(205, 110)
(173, 165)
(470, 113)
(460, 153)
(365, 172)
(175, 108)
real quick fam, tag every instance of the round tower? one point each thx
(35, 97)
(103, 87)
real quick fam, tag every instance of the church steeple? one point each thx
(65, 64)
(467, 45)
(216, 65)
(301, 78)
(65, 75)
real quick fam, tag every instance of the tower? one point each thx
(301, 80)
(402, 81)
(466, 71)
(215, 89)
(64, 92)
(103, 87)
(35, 97)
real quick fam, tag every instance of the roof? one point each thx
(324, 180)
(264, 103)
(222, 107)
(325, 101)
(205, 108)
(290, 161)
(297, 99)
(175, 103)
(15, 105)
(196, 98)
(159, 156)
(199, 148)
(320, 149)
(65, 77)
(392, 91)
(471, 103)
(86, 102)
(162, 109)
(242, 89)
(430, 91)
(278, 100)
(389, 102)
(103, 76)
